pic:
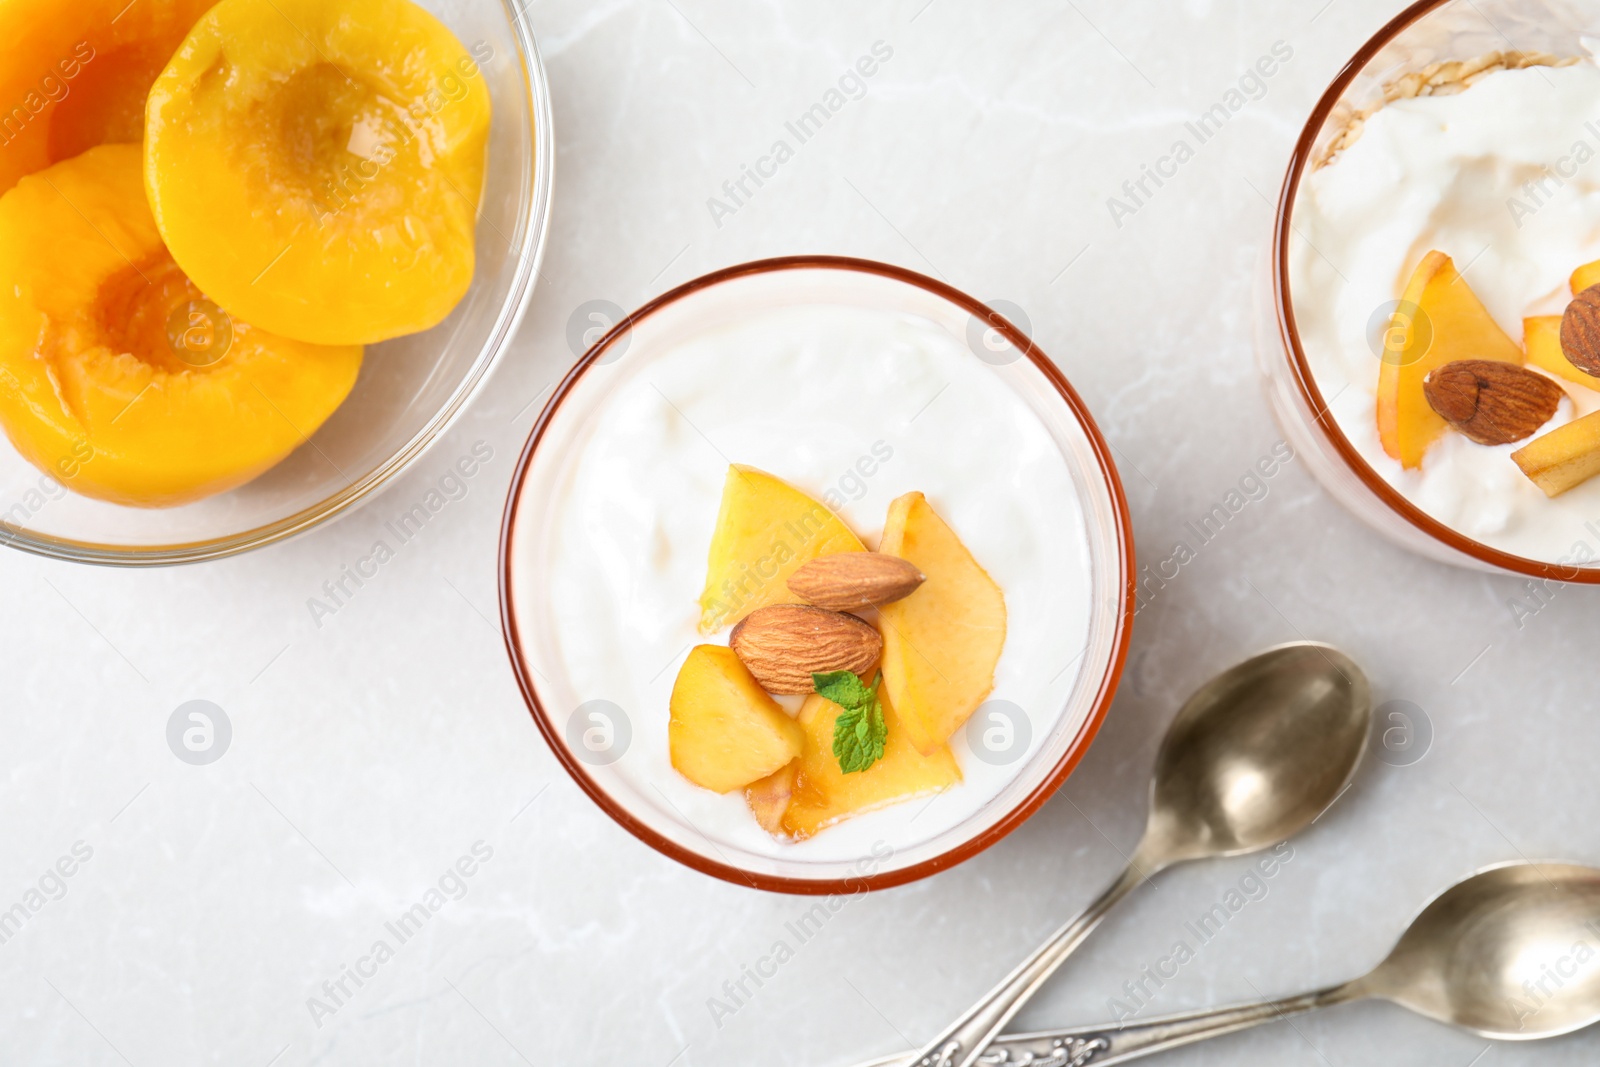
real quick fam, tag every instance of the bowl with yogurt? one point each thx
(1442, 212)
(874, 394)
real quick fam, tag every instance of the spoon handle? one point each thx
(964, 1041)
(1105, 1046)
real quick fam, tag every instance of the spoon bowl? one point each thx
(1258, 753)
(1512, 953)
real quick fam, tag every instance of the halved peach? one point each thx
(117, 375)
(316, 167)
(77, 74)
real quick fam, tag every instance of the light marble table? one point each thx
(369, 754)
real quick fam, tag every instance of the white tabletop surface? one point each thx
(371, 752)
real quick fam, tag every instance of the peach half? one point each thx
(316, 167)
(117, 375)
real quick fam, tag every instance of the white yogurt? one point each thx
(859, 405)
(1453, 173)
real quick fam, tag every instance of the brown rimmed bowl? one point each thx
(740, 295)
(1424, 33)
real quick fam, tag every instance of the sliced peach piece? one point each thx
(77, 74)
(824, 795)
(116, 375)
(725, 731)
(769, 798)
(1564, 457)
(316, 167)
(1541, 337)
(1584, 277)
(1439, 321)
(766, 528)
(941, 643)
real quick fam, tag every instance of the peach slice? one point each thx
(1563, 458)
(1541, 337)
(725, 731)
(1584, 277)
(824, 795)
(1439, 321)
(766, 528)
(117, 376)
(941, 643)
(769, 798)
(316, 167)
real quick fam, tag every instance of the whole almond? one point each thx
(851, 581)
(1493, 403)
(1580, 331)
(784, 644)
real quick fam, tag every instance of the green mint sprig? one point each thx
(859, 731)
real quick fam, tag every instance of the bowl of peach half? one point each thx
(816, 575)
(255, 256)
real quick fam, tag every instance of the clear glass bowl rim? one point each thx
(537, 191)
(957, 853)
(1321, 419)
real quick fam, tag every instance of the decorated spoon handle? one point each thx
(963, 1043)
(1104, 1046)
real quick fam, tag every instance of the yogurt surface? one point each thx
(1505, 179)
(854, 407)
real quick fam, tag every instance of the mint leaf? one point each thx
(859, 731)
(843, 688)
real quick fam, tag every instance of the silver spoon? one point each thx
(1512, 954)
(1253, 757)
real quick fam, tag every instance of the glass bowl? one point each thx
(626, 771)
(410, 389)
(1425, 33)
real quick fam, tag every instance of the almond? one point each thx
(851, 581)
(1493, 403)
(784, 644)
(1580, 331)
